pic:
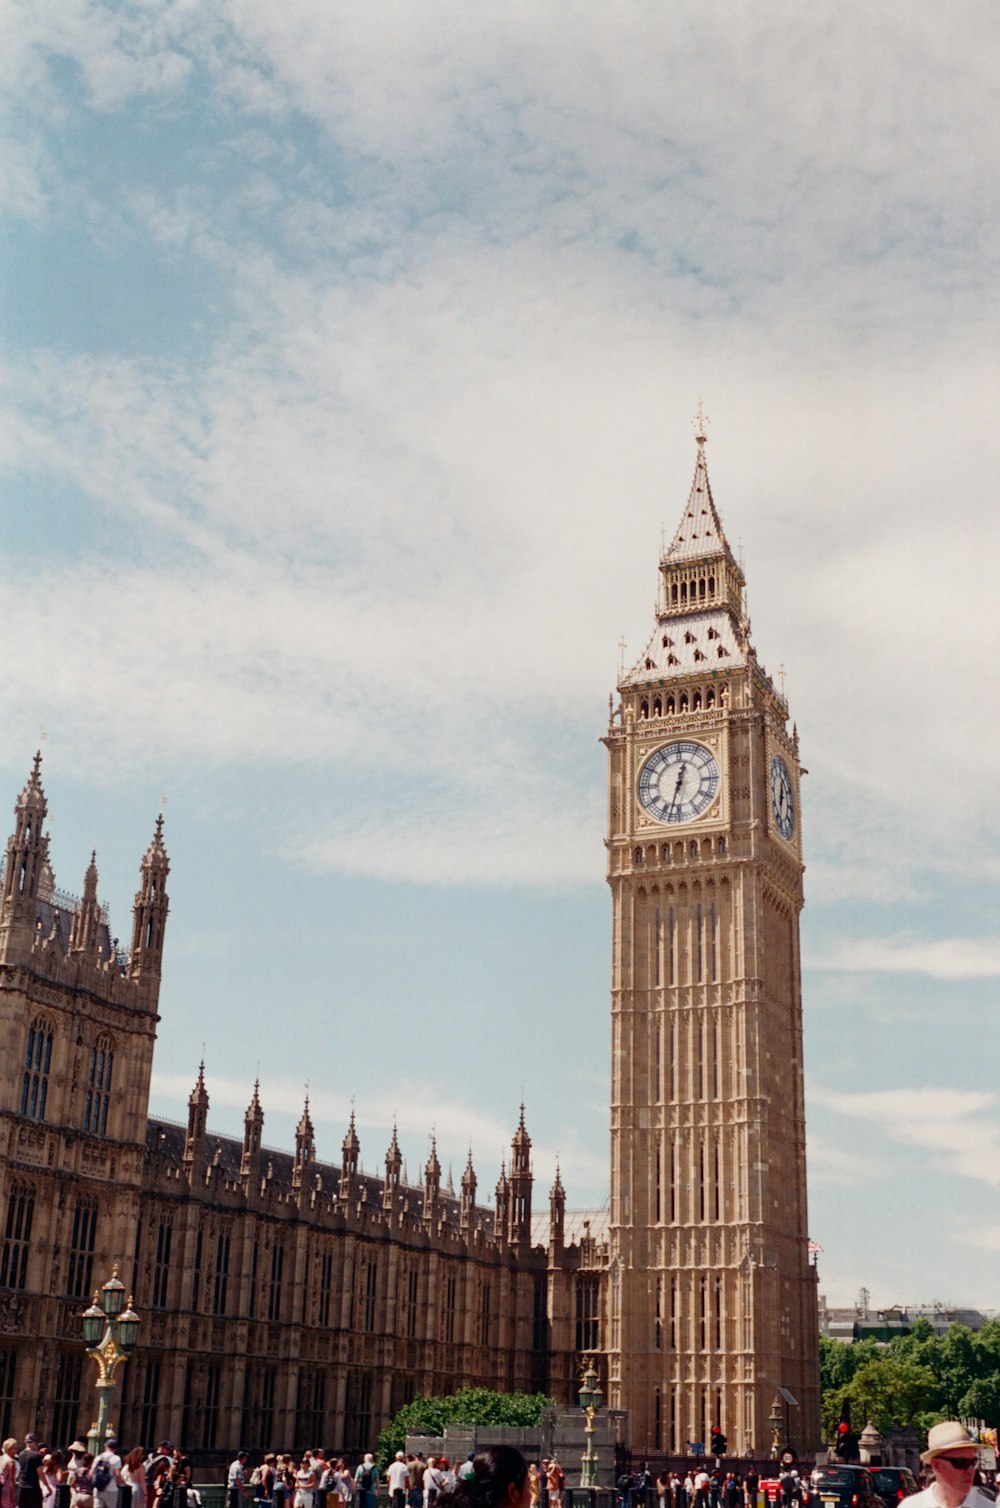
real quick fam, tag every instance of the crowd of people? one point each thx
(36, 1476)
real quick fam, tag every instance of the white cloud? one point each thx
(939, 958)
(959, 1129)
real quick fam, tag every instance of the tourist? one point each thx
(499, 1480)
(398, 1480)
(305, 1484)
(952, 1457)
(82, 1487)
(534, 1485)
(134, 1476)
(366, 1482)
(29, 1461)
(8, 1474)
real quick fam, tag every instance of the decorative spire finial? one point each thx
(700, 420)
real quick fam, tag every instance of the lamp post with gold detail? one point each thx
(591, 1399)
(110, 1331)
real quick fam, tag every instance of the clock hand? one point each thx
(680, 782)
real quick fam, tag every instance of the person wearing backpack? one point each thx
(108, 1475)
(366, 1480)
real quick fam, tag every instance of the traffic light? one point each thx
(718, 1441)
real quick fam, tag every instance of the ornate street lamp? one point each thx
(591, 1399)
(110, 1331)
(775, 1421)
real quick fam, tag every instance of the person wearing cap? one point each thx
(952, 1456)
(398, 1479)
(29, 1487)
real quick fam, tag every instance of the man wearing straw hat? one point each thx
(953, 1456)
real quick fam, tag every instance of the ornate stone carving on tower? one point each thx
(713, 1299)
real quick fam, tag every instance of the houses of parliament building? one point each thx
(290, 1301)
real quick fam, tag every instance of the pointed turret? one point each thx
(253, 1127)
(83, 937)
(393, 1167)
(467, 1206)
(701, 624)
(305, 1147)
(502, 1204)
(349, 1153)
(557, 1215)
(150, 910)
(521, 1181)
(194, 1145)
(432, 1185)
(27, 853)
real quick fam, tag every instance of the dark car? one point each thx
(843, 1487)
(893, 1483)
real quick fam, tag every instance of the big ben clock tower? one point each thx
(712, 1299)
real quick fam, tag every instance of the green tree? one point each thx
(892, 1391)
(428, 1416)
(982, 1401)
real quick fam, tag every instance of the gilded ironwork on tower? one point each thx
(711, 1297)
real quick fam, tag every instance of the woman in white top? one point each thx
(134, 1473)
(305, 1484)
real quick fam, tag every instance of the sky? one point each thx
(349, 356)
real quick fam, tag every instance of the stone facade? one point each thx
(284, 1301)
(287, 1301)
(712, 1299)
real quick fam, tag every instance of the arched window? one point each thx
(83, 1234)
(711, 586)
(701, 586)
(657, 707)
(710, 697)
(684, 701)
(670, 706)
(95, 1106)
(37, 1059)
(696, 702)
(684, 591)
(673, 595)
(644, 708)
(17, 1236)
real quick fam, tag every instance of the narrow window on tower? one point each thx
(673, 1057)
(673, 1419)
(716, 1057)
(657, 1420)
(699, 925)
(717, 1185)
(658, 946)
(161, 1263)
(703, 1313)
(713, 922)
(274, 1287)
(718, 1322)
(658, 1323)
(659, 1190)
(37, 1061)
(196, 1288)
(81, 1250)
(673, 1314)
(700, 1038)
(701, 1181)
(98, 1096)
(673, 1182)
(325, 1287)
(671, 946)
(17, 1236)
(221, 1289)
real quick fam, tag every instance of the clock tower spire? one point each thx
(715, 1303)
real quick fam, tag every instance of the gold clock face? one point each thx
(678, 782)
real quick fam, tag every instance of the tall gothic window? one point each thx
(315, 1410)
(17, 1236)
(412, 1296)
(325, 1287)
(81, 1249)
(161, 1264)
(95, 1105)
(371, 1298)
(210, 1413)
(448, 1312)
(274, 1287)
(587, 1313)
(221, 1289)
(66, 1403)
(484, 1314)
(8, 1369)
(150, 1399)
(37, 1059)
